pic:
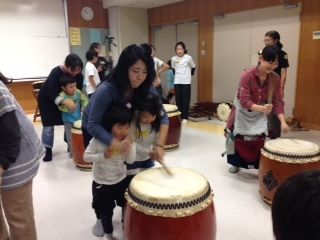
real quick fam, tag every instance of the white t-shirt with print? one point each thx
(182, 66)
(91, 70)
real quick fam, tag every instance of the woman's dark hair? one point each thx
(296, 207)
(73, 61)
(116, 115)
(148, 47)
(120, 74)
(94, 45)
(182, 45)
(275, 36)
(152, 104)
(90, 54)
(270, 53)
(4, 79)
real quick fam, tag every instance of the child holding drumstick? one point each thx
(145, 128)
(109, 170)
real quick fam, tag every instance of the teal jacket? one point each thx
(79, 99)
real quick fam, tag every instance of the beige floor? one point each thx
(62, 193)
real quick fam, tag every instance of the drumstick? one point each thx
(271, 91)
(165, 167)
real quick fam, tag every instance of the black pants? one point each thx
(183, 96)
(275, 124)
(105, 199)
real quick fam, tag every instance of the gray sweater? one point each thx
(22, 169)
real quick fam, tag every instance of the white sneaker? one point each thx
(184, 121)
(110, 237)
(97, 229)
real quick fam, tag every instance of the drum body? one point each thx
(169, 207)
(78, 147)
(224, 110)
(282, 158)
(174, 133)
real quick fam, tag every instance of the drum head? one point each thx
(154, 192)
(291, 150)
(76, 128)
(223, 111)
(172, 110)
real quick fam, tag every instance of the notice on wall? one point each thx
(75, 37)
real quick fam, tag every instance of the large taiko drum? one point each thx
(174, 207)
(282, 158)
(78, 147)
(224, 110)
(174, 133)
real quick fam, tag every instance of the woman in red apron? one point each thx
(258, 94)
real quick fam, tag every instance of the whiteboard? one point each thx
(36, 37)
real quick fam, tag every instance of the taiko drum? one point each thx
(78, 147)
(282, 158)
(174, 207)
(174, 133)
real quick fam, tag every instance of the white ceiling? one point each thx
(138, 3)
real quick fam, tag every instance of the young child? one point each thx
(92, 78)
(145, 130)
(170, 83)
(109, 169)
(71, 93)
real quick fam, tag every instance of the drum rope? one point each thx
(167, 206)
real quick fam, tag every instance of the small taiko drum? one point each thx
(282, 158)
(174, 133)
(174, 207)
(78, 147)
(224, 110)
(37, 85)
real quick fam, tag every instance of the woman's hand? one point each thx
(107, 154)
(284, 127)
(267, 108)
(123, 146)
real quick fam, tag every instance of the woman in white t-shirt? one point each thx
(92, 78)
(184, 68)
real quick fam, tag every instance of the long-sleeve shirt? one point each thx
(108, 171)
(79, 99)
(251, 92)
(143, 145)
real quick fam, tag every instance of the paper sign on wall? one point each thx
(75, 37)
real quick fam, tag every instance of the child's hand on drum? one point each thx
(159, 153)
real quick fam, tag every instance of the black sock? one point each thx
(48, 156)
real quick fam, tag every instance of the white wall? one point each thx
(127, 26)
(237, 39)
(33, 37)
